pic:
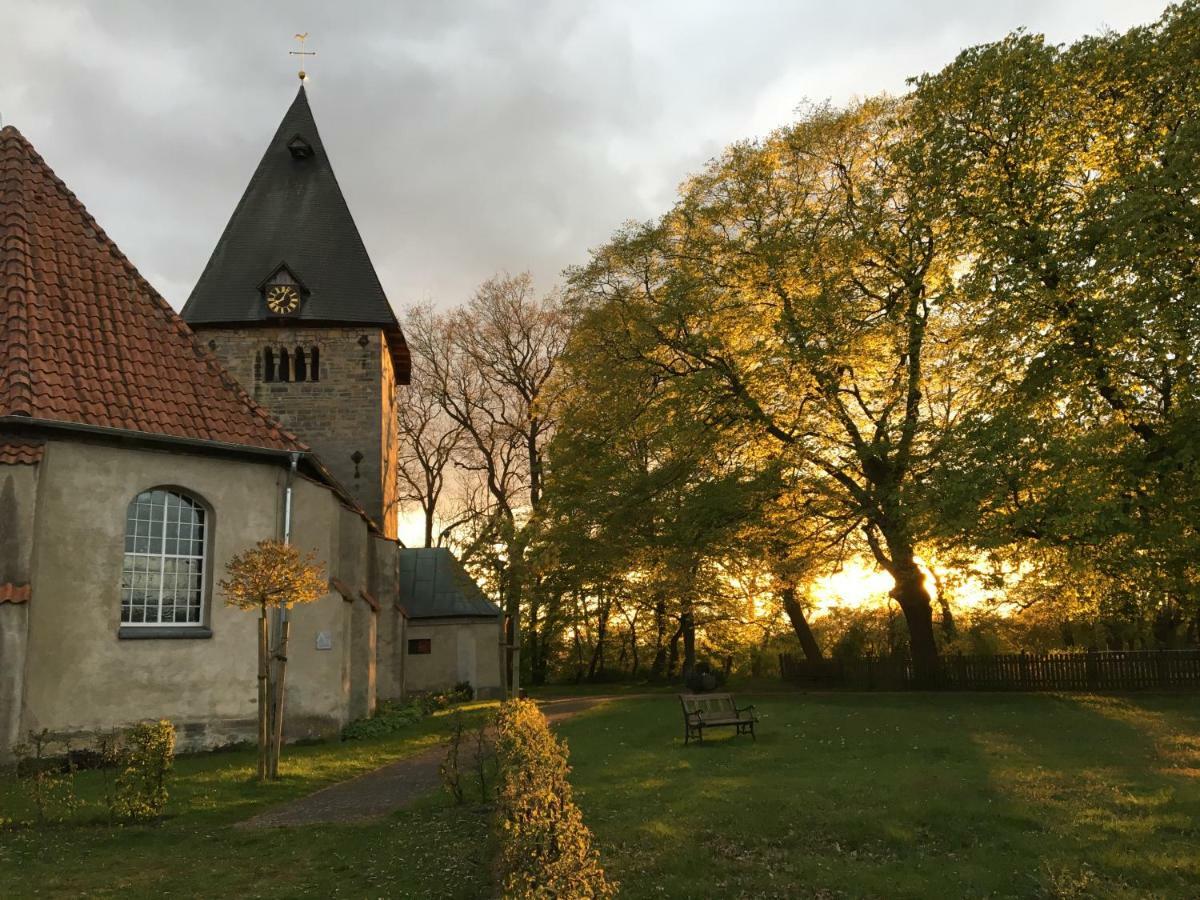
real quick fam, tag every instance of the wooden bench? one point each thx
(702, 711)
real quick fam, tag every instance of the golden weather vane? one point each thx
(302, 52)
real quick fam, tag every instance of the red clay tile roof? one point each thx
(15, 593)
(16, 451)
(85, 339)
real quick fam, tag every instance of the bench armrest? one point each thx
(695, 712)
(741, 709)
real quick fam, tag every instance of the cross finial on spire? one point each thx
(302, 52)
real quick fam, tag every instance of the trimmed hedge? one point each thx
(545, 849)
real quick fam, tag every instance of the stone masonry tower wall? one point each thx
(348, 409)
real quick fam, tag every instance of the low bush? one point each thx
(468, 754)
(392, 716)
(140, 788)
(48, 779)
(545, 848)
(432, 701)
(450, 771)
(389, 718)
(133, 765)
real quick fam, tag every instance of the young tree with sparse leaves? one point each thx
(272, 575)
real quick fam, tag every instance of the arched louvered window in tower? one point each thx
(314, 364)
(285, 367)
(268, 364)
(299, 369)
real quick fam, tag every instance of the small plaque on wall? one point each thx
(324, 640)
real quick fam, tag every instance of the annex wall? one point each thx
(460, 650)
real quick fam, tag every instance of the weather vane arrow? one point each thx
(302, 52)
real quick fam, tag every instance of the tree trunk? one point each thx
(512, 603)
(539, 666)
(578, 658)
(673, 653)
(687, 623)
(658, 667)
(277, 706)
(263, 663)
(795, 614)
(633, 647)
(949, 629)
(429, 526)
(914, 601)
(597, 663)
(531, 638)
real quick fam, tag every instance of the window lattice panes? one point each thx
(162, 582)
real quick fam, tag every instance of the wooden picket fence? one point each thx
(1093, 670)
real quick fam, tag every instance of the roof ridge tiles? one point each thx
(16, 270)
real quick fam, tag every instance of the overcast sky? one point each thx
(469, 137)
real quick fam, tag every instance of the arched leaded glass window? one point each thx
(162, 581)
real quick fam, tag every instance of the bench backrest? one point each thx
(709, 704)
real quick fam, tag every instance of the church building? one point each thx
(138, 455)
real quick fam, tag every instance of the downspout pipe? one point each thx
(281, 611)
(293, 462)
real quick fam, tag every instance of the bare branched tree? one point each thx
(429, 440)
(488, 366)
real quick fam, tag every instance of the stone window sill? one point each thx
(194, 632)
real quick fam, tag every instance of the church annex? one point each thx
(138, 455)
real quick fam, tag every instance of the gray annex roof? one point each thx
(293, 215)
(434, 585)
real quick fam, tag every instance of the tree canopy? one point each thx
(953, 334)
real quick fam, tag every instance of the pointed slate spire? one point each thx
(293, 215)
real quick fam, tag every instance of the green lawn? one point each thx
(843, 795)
(899, 795)
(431, 850)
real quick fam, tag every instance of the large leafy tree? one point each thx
(794, 297)
(1070, 178)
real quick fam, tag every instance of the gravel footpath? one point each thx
(390, 787)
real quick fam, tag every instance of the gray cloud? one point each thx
(469, 137)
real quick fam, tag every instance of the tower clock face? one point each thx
(283, 299)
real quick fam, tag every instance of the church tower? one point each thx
(291, 304)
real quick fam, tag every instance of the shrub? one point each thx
(391, 716)
(449, 769)
(48, 780)
(545, 848)
(388, 718)
(482, 752)
(432, 701)
(140, 790)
